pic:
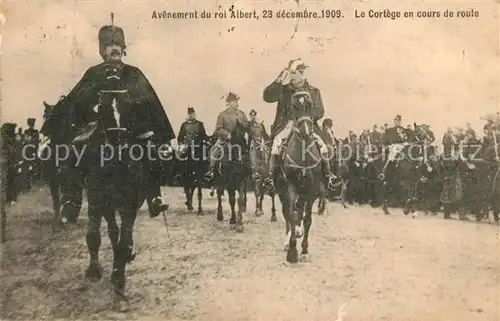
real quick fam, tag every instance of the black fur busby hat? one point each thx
(111, 35)
(31, 121)
(190, 110)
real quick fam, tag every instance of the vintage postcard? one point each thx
(251, 160)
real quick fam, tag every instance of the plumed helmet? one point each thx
(111, 35)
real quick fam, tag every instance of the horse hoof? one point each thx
(93, 272)
(292, 255)
(232, 222)
(220, 217)
(200, 212)
(413, 215)
(274, 218)
(120, 305)
(304, 257)
(239, 228)
(259, 213)
(57, 226)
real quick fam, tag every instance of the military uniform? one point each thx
(283, 124)
(31, 137)
(192, 130)
(226, 123)
(141, 112)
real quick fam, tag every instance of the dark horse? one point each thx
(191, 165)
(232, 176)
(299, 181)
(57, 132)
(259, 160)
(116, 182)
(399, 168)
(338, 157)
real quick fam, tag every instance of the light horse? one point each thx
(232, 177)
(259, 160)
(299, 181)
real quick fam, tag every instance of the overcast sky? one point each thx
(439, 71)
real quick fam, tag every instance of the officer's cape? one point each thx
(79, 102)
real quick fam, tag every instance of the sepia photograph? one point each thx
(277, 160)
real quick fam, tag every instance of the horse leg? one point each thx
(200, 196)
(93, 238)
(383, 192)
(273, 209)
(232, 204)
(188, 190)
(307, 226)
(343, 193)
(220, 215)
(292, 255)
(56, 202)
(322, 200)
(257, 193)
(241, 201)
(261, 201)
(123, 254)
(244, 203)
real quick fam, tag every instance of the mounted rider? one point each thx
(226, 123)
(113, 81)
(192, 131)
(290, 81)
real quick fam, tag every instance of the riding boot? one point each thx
(153, 197)
(156, 206)
(273, 172)
(327, 171)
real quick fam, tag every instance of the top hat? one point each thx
(231, 97)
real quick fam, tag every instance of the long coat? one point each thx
(192, 131)
(282, 94)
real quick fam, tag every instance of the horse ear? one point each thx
(46, 105)
(414, 125)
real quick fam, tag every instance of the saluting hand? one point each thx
(284, 77)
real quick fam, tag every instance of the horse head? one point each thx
(302, 106)
(238, 133)
(423, 133)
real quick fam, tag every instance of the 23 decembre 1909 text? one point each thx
(252, 14)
